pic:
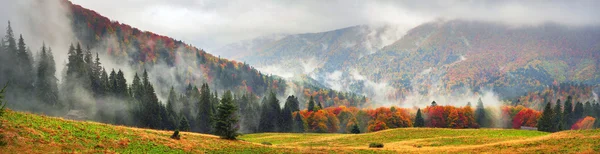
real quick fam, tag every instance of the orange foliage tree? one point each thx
(584, 123)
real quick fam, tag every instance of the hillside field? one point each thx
(32, 133)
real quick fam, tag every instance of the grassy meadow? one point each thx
(32, 133)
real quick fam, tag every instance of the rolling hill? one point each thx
(31, 133)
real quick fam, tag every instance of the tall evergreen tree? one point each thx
(104, 86)
(24, 66)
(299, 125)
(270, 111)
(225, 119)
(589, 110)
(568, 117)
(205, 112)
(578, 112)
(480, 115)
(46, 86)
(184, 125)
(121, 85)
(419, 121)
(311, 104)
(545, 122)
(557, 119)
(286, 120)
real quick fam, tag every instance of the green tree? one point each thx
(557, 119)
(545, 122)
(46, 86)
(286, 119)
(311, 104)
(578, 112)
(121, 85)
(568, 117)
(205, 109)
(299, 124)
(355, 129)
(269, 115)
(480, 115)
(225, 119)
(184, 125)
(419, 121)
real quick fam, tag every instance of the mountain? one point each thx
(303, 53)
(445, 57)
(172, 62)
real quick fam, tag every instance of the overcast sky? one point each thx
(210, 24)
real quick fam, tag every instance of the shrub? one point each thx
(376, 145)
(176, 135)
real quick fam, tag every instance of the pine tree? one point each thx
(286, 119)
(311, 104)
(568, 114)
(355, 129)
(433, 103)
(299, 126)
(578, 112)
(480, 115)
(25, 68)
(545, 122)
(419, 121)
(121, 85)
(226, 120)
(150, 105)
(96, 77)
(557, 119)
(205, 109)
(112, 80)
(589, 110)
(184, 125)
(46, 86)
(269, 115)
(104, 86)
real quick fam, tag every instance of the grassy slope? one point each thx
(31, 133)
(435, 140)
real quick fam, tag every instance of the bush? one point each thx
(176, 135)
(266, 143)
(376, 145)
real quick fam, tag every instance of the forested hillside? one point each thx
(444, 57)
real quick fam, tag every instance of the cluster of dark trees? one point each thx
(565, 116)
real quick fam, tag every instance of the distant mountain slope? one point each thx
(480, 54)
(303, 53)
(442, 56)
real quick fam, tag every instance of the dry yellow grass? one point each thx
(30, 133)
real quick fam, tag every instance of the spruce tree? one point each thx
(355, 129)
(299, 126)
(578, 112)
(205, 109)
(557, 119)
(225, 119)
(480, 115)
(419, 121)
(269, 115)
(286, 119)
(121, 85)
(184, 125)
(567, 120)
(311, 104)
(46, 86)
(545, 122)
